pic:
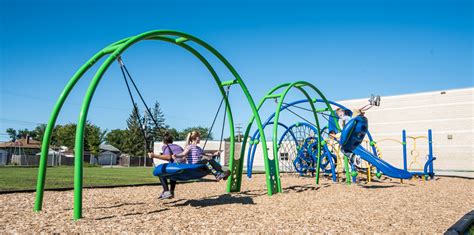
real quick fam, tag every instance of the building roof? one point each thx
(24, 143)
(108, 147)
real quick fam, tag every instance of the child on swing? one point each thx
(196, 155)
(168, 150)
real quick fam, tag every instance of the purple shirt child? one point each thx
(170, 149)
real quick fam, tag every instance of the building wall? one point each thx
(449, 114)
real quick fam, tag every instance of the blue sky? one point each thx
(348, 49)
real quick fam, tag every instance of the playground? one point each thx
(323, 169)
(385, 206)
(254, 140)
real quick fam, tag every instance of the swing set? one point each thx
(113, 53)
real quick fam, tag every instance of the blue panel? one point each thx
(354, 133)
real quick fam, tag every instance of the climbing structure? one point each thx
(278, 94)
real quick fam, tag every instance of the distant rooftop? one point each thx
(108, 147)
(24, 143)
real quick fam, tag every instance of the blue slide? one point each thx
(382, 165)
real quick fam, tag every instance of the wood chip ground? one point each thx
(380, 207)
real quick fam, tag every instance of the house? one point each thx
(55, 158)
(109, 155)
(20, 152)
(3, 157)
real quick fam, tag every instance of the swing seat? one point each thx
(180, 171)
(354, 133)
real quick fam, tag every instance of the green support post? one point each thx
(346, 166)
(41, 180)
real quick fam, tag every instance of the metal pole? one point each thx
(430, 153)
(404, 143)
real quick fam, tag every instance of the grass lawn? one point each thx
(17, 178)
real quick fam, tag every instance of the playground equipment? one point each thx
(312, 150)
(298, 146)
(427, 168)
(171, 170)
(278, 94)
(293, 144)
(112, 53)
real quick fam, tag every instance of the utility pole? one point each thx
(239, 132)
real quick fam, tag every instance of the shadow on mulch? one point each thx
(377, 186)
(112, 206)
(224, 199)
(119, 205)
(303, 188)
(132, 214)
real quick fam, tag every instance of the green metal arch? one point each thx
(115, 50)
(271, 165)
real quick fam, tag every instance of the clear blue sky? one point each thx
(349, 49)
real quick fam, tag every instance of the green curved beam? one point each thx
(115, 50)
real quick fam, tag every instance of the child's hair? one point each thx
(345, 111)
(167, 138)
(192, 136)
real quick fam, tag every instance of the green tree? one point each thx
(116, 138)
(93, 137)
(134, 142)
(20, 133)
(39, 132)
(156, 130)
(175, 133)
(66, 135)
(202, 130)
(11, 133)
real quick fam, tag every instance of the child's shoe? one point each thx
(166, 195)
(223, 175)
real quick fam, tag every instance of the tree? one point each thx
(11, 133)
(202, 130)
(39, 132)
(20, 133)
(156, 130)
(134, 142)
(175, 133)
(93, 137)
(66, 135)
(116, 138)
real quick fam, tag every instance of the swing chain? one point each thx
(215, 118)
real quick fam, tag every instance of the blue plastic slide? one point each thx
(382, 165)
